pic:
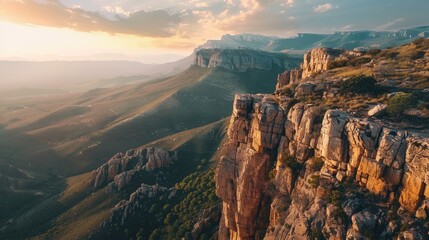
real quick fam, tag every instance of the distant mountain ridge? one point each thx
(364, 39)
(242, 60)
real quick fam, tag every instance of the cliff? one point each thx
(296, 167)
(389, 163)
(319, 59)
(121, 168)
(306, 41)
(315, 62)
(242, 60)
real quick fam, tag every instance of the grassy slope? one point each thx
(81, 132)
(81, 212)
(71, 133)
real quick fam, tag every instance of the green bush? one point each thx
(272, 174)
(356, 62)
(389, 55)
(398, 103)
(336, 197)
(374, 51)
(291, 163)
(314, 181)
(359, 84)
(417, 55)
(337, 64)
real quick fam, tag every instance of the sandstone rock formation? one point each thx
(243, 60)
(289, 77)
(121, 168)
(256, 126)
(266, 133)
(318, 60)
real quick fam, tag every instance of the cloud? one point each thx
(263, 16)
(289, 3)
(323, 8)
(347, 27)
(52, 13)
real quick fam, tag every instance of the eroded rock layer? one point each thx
(120, 169)
(284, 163)
(319, 59)
(243, 60)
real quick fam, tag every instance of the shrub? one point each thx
(398, 103)
(155, 234)
(389, 55)
(314, 181)
(337, 64)
(374, 51)
(291, 163)
(417, 55)
(359, 84)
(336, 197)
(317, 164)
(359, 61)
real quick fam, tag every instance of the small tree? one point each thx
(398, 103)
(359, 84)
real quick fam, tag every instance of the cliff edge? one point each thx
(298, 168)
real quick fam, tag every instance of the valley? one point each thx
(124, 150)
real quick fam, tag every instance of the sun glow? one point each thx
(32, 42)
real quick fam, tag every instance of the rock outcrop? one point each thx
(255, 130)
(315, 61)
(121, 168)
(319, 60)
(289, 77)
(266, 133)
(128, 210)
(242, 60)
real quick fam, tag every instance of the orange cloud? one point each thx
(52, 13)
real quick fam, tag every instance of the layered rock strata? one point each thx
(288, 77)
(267, 133)
(243, 60)
(318, 59)
(254, 133)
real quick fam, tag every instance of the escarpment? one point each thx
(241, 60)
(298, 169)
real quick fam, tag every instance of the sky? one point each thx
(166, 30)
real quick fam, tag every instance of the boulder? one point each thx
(305, 89)
(363, 221)
(377, 110)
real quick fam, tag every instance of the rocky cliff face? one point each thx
(318, 59)
(289, 77)
(315, 62)
(287, 165)
(120, 169)
(242, 59)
